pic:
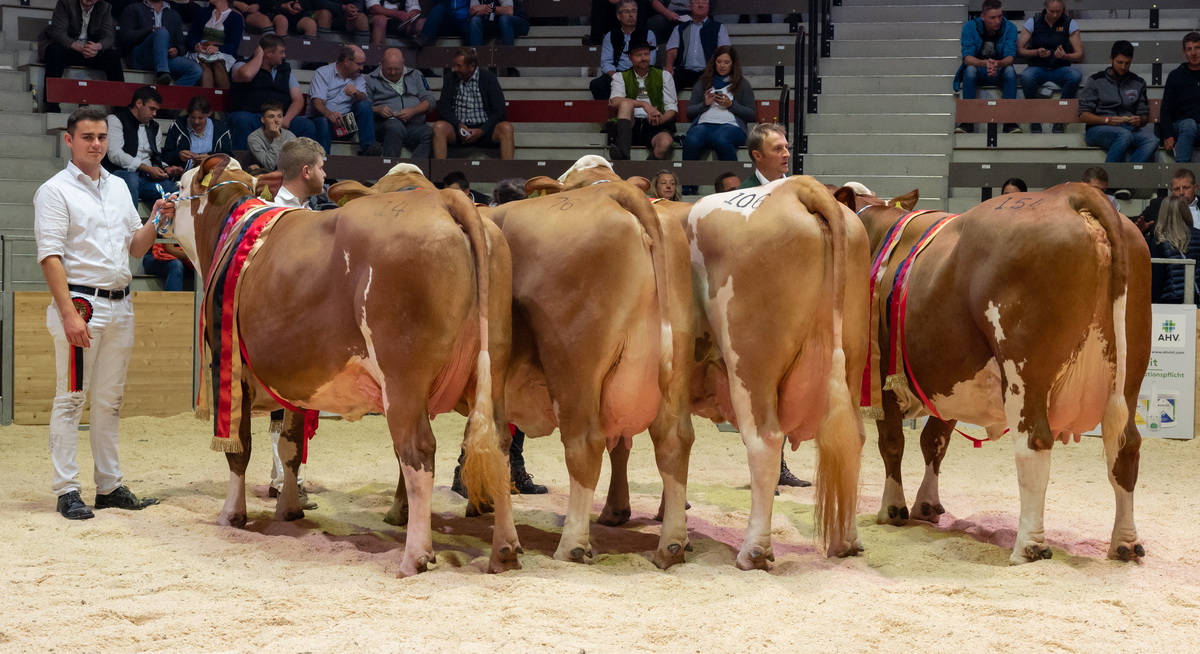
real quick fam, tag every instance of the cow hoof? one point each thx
(757, 558)
(614, 517)
(893, 515)
(292, 516)
(672, 556)
(1032, 552)
(927, 512)
(846, 550)
(397, 517)
(474, 511)
(575, 555)
(237, 520)
(1127, 553)
(504, 559)
(411, 568)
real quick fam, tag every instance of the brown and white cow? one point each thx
(779, 275)
(397, 303)
(1029, 313)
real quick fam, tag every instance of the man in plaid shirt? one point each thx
(472, 109)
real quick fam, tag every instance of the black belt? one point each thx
(119, 294)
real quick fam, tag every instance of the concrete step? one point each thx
(917, 165)
(932, 188)
(17, 216)
(912, 30)
(23, 124)
(845, 143)
(907, 65)
(894, 103)
(880, 124)
(899, 14)
(885, 48)
(1060, 156)
(16, 102)
(1024, 142)
(13, 81)
(30, 145)
(835, 84)
(29, 170)
(18, 191)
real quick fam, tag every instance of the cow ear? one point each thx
(271, 181)
(211, 169)
(542, 185)
(908, 201)
(846, 196)
(640, 182)
(343, 192)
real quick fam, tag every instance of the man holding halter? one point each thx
(86, 231)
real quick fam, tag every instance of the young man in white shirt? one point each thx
(86, 231)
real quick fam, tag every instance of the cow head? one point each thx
(589, 170)
(857, 197)
(399, 177)
(194, 226)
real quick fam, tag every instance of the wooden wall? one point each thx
(160, 368)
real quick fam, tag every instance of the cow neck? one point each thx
(211, 222)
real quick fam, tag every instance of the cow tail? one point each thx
(636, 203)
(1116, 413)
(839, 441)
(485, 468)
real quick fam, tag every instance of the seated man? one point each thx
(692, 44)
(195, 135)
(267, 141)
(644, 99)
(472, 109)
(266, 76)
(337, 89)
(496, 18)
(152, 36)
(665, 15)
(1116, 111)
(133, 153)
(989, 46)
(387, 17)
(1180, 118)
(70, 40)
(614, 51)
(400, 98)
(167, 262)
(446, 18)
(1183, 185)
(726, 182)
(457, 180)
(349, 16)
(1097, 178)
(603, 20)
(1051, 42)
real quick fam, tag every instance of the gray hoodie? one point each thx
(416, 90)
(1106, 94)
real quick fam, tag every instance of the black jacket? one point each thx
(137, 21)
(493, 100)
(67, 20)
(179, 139)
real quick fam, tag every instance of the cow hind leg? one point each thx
(934, 438)
(233, 513)
(616, 508)
(1027, 407)
(764, 450)
(291, 442)
(893, 509)
(673, 438)
(583, 443)
(1122, 474)
(398, 514)
(414, 444)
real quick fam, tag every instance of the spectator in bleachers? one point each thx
(989, 46)
(266, 142)
(388, 18)
(505, 19)
(722, 104)
(214, 40)
(644, 100)
(666, 15)
(1180, 109)
(1183, 185)
(1171, 238)
(692, 45)
(665, 185)
(185, 8)
(257, 15)
(1116, 111)
(1013, 185)
(472, 109)
(267, 76)
(349, 16)
(294, 17)
(338, 89)
(458, 181)
(614, 51)
(167, 262)
(80, 33)
(1097, 178)
(446, 18)
(133, 153)
(726, 182)
(1051, 42)
(195, 135)
(604, 19)
(152, 36)
(768, 148)
(400, 98)
(509, 190)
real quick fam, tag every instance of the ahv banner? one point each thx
(1166, 403)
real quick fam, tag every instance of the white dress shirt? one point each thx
(286, 198)
(670, 102)
(90, 224)
(116, 146)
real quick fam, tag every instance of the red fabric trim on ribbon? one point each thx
(312, 417)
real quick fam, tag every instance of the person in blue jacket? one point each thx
(989, 47)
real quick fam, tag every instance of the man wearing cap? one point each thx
(645, 102)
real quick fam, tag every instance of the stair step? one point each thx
(16, 216)
(842, 84)
(879, 124)
(30, 145)
(29, 170)
(26, 123)
(16, 102)
(13, 81)
(889, 186)
(909, 65)
(894, 103)
(17, 191)
(914, 30)
(899, 14)
(871, 143)
(873, 164)
(886, 48)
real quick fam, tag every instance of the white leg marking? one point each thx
(993, 316)
(346, 256)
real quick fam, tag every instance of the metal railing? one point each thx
(812, 44)
(1189, 276)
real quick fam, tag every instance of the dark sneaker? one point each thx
(523, 484)
(71, 506)
(457, 485)
(786, 478)
(1059, 128)
(163, 79)
(1012, 128)
(373, 150)
(1035, 128)
(123, 498)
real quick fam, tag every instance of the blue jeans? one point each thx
(244, 122)
(366, 127)
(143, 188)
(442, 22)
(1118, 140)
(722, 139)
(1067, 78)
(507, 27)
(151, 54)
(171, 272)
(976, 76)
(1185, 140)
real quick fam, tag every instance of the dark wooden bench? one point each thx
(117, 94)
(994, 112)
(989, 177)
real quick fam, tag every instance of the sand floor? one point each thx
(169, 579)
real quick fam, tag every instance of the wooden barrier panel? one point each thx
(160, 368)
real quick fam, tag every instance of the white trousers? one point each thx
(105, 364)
(277, 462)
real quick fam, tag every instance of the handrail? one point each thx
(1189, 276)
(785, 109)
